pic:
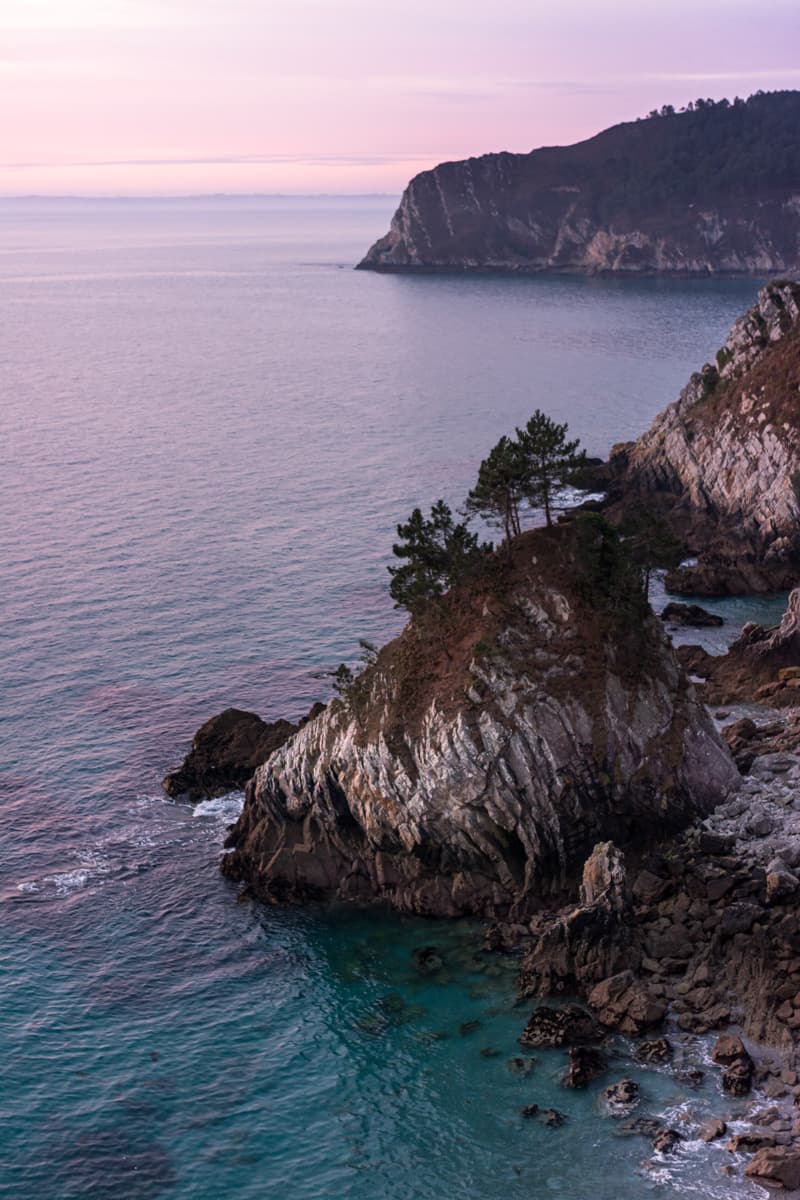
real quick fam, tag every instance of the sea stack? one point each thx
(475, 765)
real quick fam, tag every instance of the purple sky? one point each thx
(176, 96)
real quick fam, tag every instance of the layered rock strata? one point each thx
(472, 772)
(722, 464)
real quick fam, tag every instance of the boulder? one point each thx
(712, 1129)
(624, 1003)
(727, 1049)
(690, 614)
(775, 1167)
(780, 884)
(559, 1027)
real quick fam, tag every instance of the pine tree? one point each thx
(500, 488)
(438, 553)
(547, 459)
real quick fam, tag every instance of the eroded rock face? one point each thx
(721, 464)
(475, 776)
(560, 209)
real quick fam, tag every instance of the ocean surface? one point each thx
(210, 426)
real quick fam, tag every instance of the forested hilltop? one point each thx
(712, 188)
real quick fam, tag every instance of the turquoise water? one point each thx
(210, 426)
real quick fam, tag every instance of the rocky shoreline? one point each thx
(697, 936)
(625, 812)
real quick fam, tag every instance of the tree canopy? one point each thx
(437, 552)
(530, 467)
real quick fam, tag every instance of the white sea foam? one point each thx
(226, 807)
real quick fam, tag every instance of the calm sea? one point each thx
(210, 426)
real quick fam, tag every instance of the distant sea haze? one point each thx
(211, 425)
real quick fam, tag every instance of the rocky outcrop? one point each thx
(472, 771)
(225, 752)
(690, 614)
(615, 203)
(762, 665)
(722, 463)
(776, 1168)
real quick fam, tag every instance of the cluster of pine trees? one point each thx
(439, 552)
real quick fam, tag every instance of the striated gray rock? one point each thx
(722, 463)
(473, 773)
(614, 203)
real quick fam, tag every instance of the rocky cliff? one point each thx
(711, 191)
(474, 766)
(722, 463)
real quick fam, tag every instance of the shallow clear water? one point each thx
(210, 426)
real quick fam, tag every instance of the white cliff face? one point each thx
(727, 452)
(484, 804)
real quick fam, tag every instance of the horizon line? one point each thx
(54, 196)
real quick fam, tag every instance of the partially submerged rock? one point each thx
(559, 1027)
(225, 752)
(586, 1063)
(729, 1051)
(690, 614)
(622, 1096)
(775, 1167)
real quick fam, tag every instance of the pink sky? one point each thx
(177, 96)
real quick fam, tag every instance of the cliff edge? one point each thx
(722, 464)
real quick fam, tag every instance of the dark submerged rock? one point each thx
(659, 1050)
(622, 1095)
(225, 752)
(559, 1027)
(586, 1064)
(690, 614)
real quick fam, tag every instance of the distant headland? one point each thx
(712, 189)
